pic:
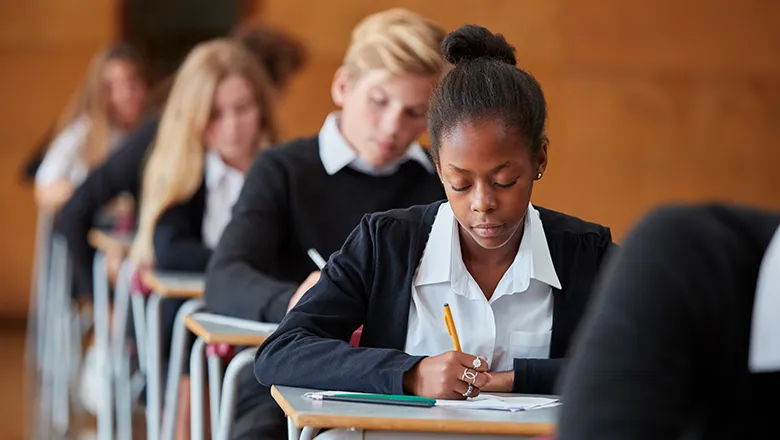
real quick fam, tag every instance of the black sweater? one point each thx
(120, 173)
(288, 205)
(664, 349)
(178, 236)
(369, 283)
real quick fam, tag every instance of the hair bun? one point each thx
(470, 42)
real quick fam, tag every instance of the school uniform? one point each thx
(120, 173)
(683, 340)
(393, 276)
(186, 234)
(64, 161)
(308, 193)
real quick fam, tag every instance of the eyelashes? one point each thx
(496, 184)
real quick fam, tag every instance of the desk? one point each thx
(214, 330)
(409, 422)
(115, 244)
(167, 285)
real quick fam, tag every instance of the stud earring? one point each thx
(538, 176)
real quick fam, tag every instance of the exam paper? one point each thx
(502, 403)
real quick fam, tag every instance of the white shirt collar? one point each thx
(442, 260)
(336, 153)
(217, 170)
(765, 332)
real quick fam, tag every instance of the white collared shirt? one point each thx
(223, 185)
(517, 320)
(63, 159)
(765, 326)
(336, 153)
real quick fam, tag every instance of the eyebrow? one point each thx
(493, 171)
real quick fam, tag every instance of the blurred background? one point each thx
(650, 101)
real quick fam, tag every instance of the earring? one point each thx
(538, 176)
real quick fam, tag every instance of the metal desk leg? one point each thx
(215, 388)
(138, 304)
(120, 355)
(293, 433)
(197, 390)
(105, 411)
(153, 375)
(228, 401)
(176, 365)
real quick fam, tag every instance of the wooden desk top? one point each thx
(329, 414)
(110, 242)
(218, 329)
(174, 284)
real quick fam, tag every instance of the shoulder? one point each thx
(558, 224)
(732, 229)
(295, 152)
(411, 218)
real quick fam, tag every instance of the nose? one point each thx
(484, 200)
(391, 122)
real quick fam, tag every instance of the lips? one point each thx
(488, 230)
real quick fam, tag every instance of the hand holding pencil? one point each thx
(451, 375)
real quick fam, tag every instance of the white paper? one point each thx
(765, 332)
(501, 403)
(244, 324)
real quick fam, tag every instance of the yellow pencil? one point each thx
(450, 323)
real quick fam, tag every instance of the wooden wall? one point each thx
(650, 101)
(45, 47)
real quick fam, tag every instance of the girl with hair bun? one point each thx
(517, 277)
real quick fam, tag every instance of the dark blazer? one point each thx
(178, 236)
(369, 283)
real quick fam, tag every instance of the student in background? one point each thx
(109, 105)
(311, 192)
(682, 341)
(282, 57)
(517, 277)
(218, 115)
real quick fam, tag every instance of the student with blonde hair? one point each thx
(278, 53)
(218, 116)
(311, 192)
(110, 103)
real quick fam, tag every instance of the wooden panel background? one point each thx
(650, 101)
(45, 48)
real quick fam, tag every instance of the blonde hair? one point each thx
(174, 171)
(397, 40)
(91, 101)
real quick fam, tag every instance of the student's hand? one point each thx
(113, 264)
(52, 196)
(305, 286)
(441, 377)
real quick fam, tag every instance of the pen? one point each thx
(385, 399)
(316, 258)
(450, 323)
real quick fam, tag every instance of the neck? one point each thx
(241, 164)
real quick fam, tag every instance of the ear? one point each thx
(541, 158)
(340, 86)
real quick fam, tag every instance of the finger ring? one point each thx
(477, 363)
(468, 391)
(468, 376)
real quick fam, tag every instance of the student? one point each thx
(218, 115)
(517, 277)
(109, 105)
(310, 193)
(280, 55)
(672, 347)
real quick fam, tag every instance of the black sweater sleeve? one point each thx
(317, 330)
(120, 173)
(236, 280)
(642, 358)
(178, 240)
